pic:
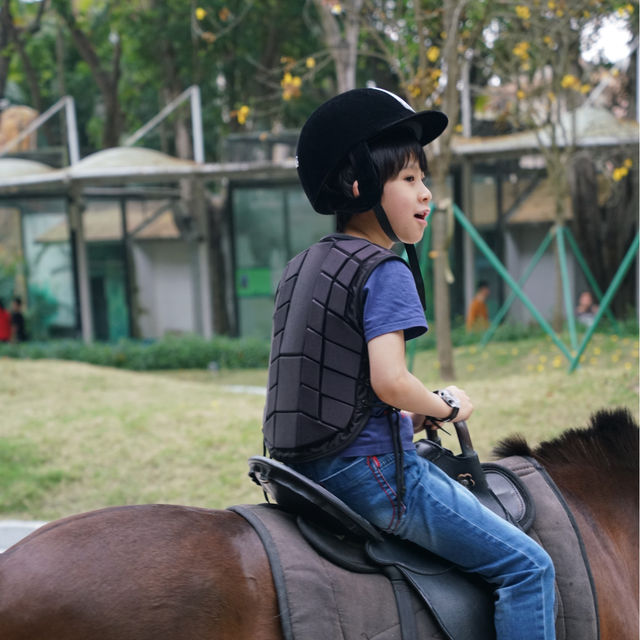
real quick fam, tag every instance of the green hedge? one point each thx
(173, 352)
(195, 352)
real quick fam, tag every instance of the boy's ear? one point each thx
(355, 189)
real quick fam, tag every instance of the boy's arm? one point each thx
(394, 384)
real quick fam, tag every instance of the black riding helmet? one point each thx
(342, 129)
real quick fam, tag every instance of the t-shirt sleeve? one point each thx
(392, 302)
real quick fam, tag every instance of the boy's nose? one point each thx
(426, 195)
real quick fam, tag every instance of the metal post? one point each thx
(72, 130)
(499, 267)
(566, 287)
(126, 263)
(84, 290)
(589, 276)
(196, 124)
(512, 296)
(606, 300)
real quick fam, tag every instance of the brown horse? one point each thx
(164, 572)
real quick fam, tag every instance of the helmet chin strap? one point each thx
(414, 264)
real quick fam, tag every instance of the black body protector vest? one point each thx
(319, 394)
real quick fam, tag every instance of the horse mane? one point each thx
(610, 440)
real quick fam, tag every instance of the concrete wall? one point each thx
(521, 243)
(165, 288)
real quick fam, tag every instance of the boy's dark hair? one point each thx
(18, 300)
(390, 153)
(482, 284)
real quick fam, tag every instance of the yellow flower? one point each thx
(520, 94)
(336, 8)
(458, 128)
(542, 358)
(628, 163)
(540, 368)
(524, 13)
(557, 362)
(290, 86)
(559, 13)
(586, 14)
(310, 62)
(619, 173)
(514, 351)
(242, 114)
(551, 4)
(521, 50)
(470, 367)
(548, 40)
(627, 366)
(200, 13)
(570, 82)
(224, 14)
(615, 357)
(551, 96)
(433, 53)
(585, 88)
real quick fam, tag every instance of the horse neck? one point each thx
(603, 500)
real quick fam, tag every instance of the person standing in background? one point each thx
(18, 333)
(478, 313)
(5, 324)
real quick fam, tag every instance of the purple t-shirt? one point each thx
(391, 303)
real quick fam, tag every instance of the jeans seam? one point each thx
(384, 485)
(337, 473)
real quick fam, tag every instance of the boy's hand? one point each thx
(421, 421)
(466, 408)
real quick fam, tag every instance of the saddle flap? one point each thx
(512, 494)
(462, 603)
(299, 495)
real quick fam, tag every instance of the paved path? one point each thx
(13, 530)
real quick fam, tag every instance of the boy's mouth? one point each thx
(421, 216)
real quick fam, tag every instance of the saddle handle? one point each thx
(464, 438)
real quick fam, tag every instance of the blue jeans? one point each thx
(444, 517)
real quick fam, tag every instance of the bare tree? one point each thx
(341, 25)
(426, 44)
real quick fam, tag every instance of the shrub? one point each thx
(171, 352)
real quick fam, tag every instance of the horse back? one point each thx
(139, 572)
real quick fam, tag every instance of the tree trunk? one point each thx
(342, 42)
(107, 81)
(6, 26)
(441, 293)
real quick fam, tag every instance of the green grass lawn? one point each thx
(75, 437)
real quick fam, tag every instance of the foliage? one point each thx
(172, 352)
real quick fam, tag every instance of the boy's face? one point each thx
(405, 200)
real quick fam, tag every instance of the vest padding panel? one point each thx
(319, 394)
